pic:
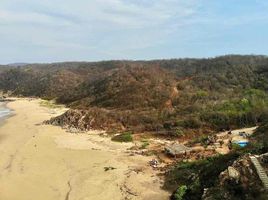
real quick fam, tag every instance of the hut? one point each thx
(177, 150)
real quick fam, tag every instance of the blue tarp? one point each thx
(241, 143)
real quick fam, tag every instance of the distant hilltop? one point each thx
(18, 64)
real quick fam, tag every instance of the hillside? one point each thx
(177, 97)
(232, 176)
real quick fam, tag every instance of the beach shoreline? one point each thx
(6, 116)
(45, 162)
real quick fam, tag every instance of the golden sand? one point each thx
(43, 162)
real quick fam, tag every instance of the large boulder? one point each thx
(233, 174)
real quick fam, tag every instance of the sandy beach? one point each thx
(43, 162)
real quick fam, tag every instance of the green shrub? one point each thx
(124, 137)
(180, 192)
(179, 132)
(236, 147)
(202, 139)
(50, 104)
(201, 94)
(192, 123)
(145, 144)
(198, 175)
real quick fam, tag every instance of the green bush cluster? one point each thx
(198, 175)
(179, 193)
(246, 111)
(124, 137)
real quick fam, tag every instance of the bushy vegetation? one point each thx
(244, 111)
(198, 175)
(179, 193)
(50, 104)
(205, 173)
(145, 144)
(175, 97)
(124, 137)
(259, 139)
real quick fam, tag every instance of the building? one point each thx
(177, 149)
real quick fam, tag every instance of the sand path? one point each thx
(42, 162)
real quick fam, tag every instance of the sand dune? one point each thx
(42, 162)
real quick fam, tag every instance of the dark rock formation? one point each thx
(239, 181)
(84, 120)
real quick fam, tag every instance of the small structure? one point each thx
(244, 134)
(241, 143)
(240, 140)
(177, 149)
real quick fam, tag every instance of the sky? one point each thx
(91, 30)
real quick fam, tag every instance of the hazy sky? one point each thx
(89, 30)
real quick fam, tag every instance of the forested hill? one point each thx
(172, 96)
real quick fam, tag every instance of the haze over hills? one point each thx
(17, 64)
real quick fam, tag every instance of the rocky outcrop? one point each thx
(84, 120)
(239, 181)
(238, 172)
(111, 120)
(233, 174)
